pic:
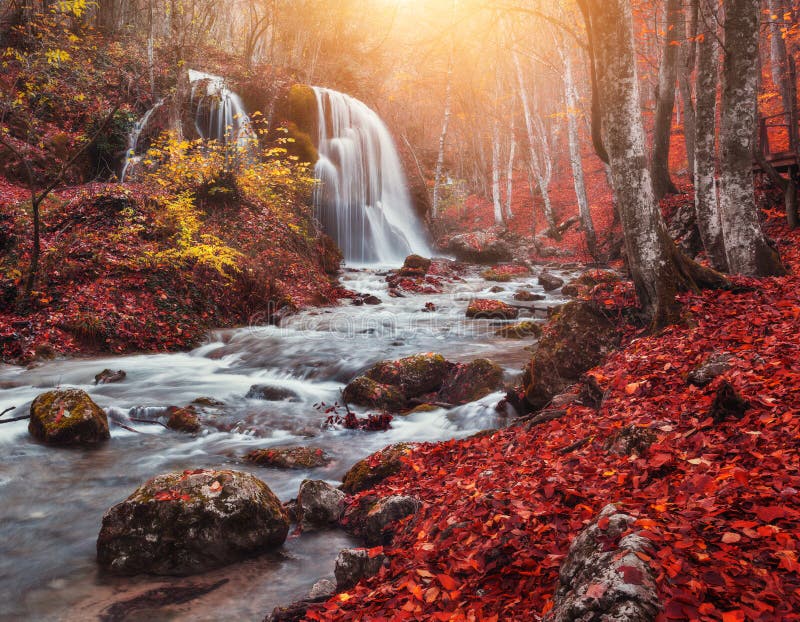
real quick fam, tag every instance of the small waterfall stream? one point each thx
(219, 112)
(362, 200)
(133, 138)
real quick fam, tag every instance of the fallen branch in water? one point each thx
(150, 421)
(8, 410)
(13, 419)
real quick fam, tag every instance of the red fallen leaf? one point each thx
(657, 460)
(631, 388)
(631, 575)
(770, 513)
(730, 537)
(737, 615)
(603, 523)
(596, 590)
(163, 495)
(216, 486)
(447, 582)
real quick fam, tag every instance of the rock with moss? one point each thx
(289, 457)
(471, 381)
(484, 309)
(183, 419)
(520, 330)
(415, 266)
(412, 375)
(319, 504)
(189, 522)
(496, 276)
(374, 469)
(364, 391)
(67, 417)
(577, 337)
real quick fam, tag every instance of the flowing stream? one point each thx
(53, 499)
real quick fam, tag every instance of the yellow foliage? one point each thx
(190, 244)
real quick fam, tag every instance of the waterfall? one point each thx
(219, 112)
(362, 200)
(133, 138)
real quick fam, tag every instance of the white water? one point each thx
(363, 201)
(53, 499)
(220, 113)
(133, 138)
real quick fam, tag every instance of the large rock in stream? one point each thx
(578, 337)
(190, 522)
(374, 469)
(68, 417)
(395, 385)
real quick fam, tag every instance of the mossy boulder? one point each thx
(415, 266)
(374, 469)
(494, 275)
(412, 375)
(471, 381)
(183, 420)
(190, 522)
(302, 108)
(364, 391)
(485, 309)
(289, 457)
(68, 417)
(520, 330)
(578, 337)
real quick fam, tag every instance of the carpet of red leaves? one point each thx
(720, 501)
(101, 292)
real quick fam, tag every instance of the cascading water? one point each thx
(219, 112)
(133, 138)
(362, 200)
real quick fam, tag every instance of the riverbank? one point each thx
(716, 495)
(114, 280)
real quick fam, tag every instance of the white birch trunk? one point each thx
(746, 246)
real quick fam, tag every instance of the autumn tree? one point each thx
(747, 249)
(658, 270)
(665, 103)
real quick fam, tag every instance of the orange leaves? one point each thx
(447, 582)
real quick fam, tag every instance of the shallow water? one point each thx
(52, 500)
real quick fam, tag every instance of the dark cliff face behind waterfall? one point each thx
(363, 201)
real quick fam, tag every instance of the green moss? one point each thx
(375, 468)
(303, 109)
(301, 145)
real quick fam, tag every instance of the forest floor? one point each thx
(720, 500)
(105, 286)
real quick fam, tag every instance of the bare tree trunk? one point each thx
(512, 152)
(784, 75)
(541, 171)
(688, 56)
(657, 268)
(437, 176)
(571, 100)
(705, 181)
(746, 246)
(665, 105)
(496, 198)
